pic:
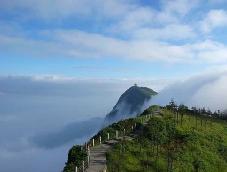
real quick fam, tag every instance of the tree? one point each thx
(182, 110)
(195, 113)
(173, 107)
(155, 131)
(170, 144)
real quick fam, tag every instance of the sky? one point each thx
(64, 64)
(112, 39)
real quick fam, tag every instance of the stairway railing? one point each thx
(92, 142)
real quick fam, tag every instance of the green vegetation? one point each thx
(75, 157)
(151, 110)
(123, 127)
(169, 139)
(175, 140)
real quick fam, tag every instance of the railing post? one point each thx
(88, 155)
(132, 128)
(100, 140)
(108, 136)
(83, 166)
(116, 134)
(88, 150)
(93, 142)
(76, 169)
(88, 160)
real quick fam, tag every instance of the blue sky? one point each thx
(143, 39)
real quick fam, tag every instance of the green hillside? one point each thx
(163, 139)
(173, 141)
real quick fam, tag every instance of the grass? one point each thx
(198, 144)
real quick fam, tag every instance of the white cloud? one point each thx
(212, 94)
(137, 18)
(132, 20)
(79, 44)
(171, 31)
(150, 33)
(179, 7)
(205, 90)
(211, 52)
(215, 18)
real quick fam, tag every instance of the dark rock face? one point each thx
(130, 103)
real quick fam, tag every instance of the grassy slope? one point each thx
(203, 146)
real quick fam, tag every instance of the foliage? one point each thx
(171, 138)
(151, 110)
(123, 127)
(76, 155)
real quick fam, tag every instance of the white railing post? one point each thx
(88, 159)
(93, 142)
(100, 140)
(83, 166)
(108, 136)
(132, 128)
(85, 144)
(88, 150)
(76, 169)
(116, 134)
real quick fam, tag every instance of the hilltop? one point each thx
(130, 103)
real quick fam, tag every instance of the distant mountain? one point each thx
(130, 103)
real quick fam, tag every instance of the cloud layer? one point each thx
(206, 90)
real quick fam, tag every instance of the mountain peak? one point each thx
(130, 103)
